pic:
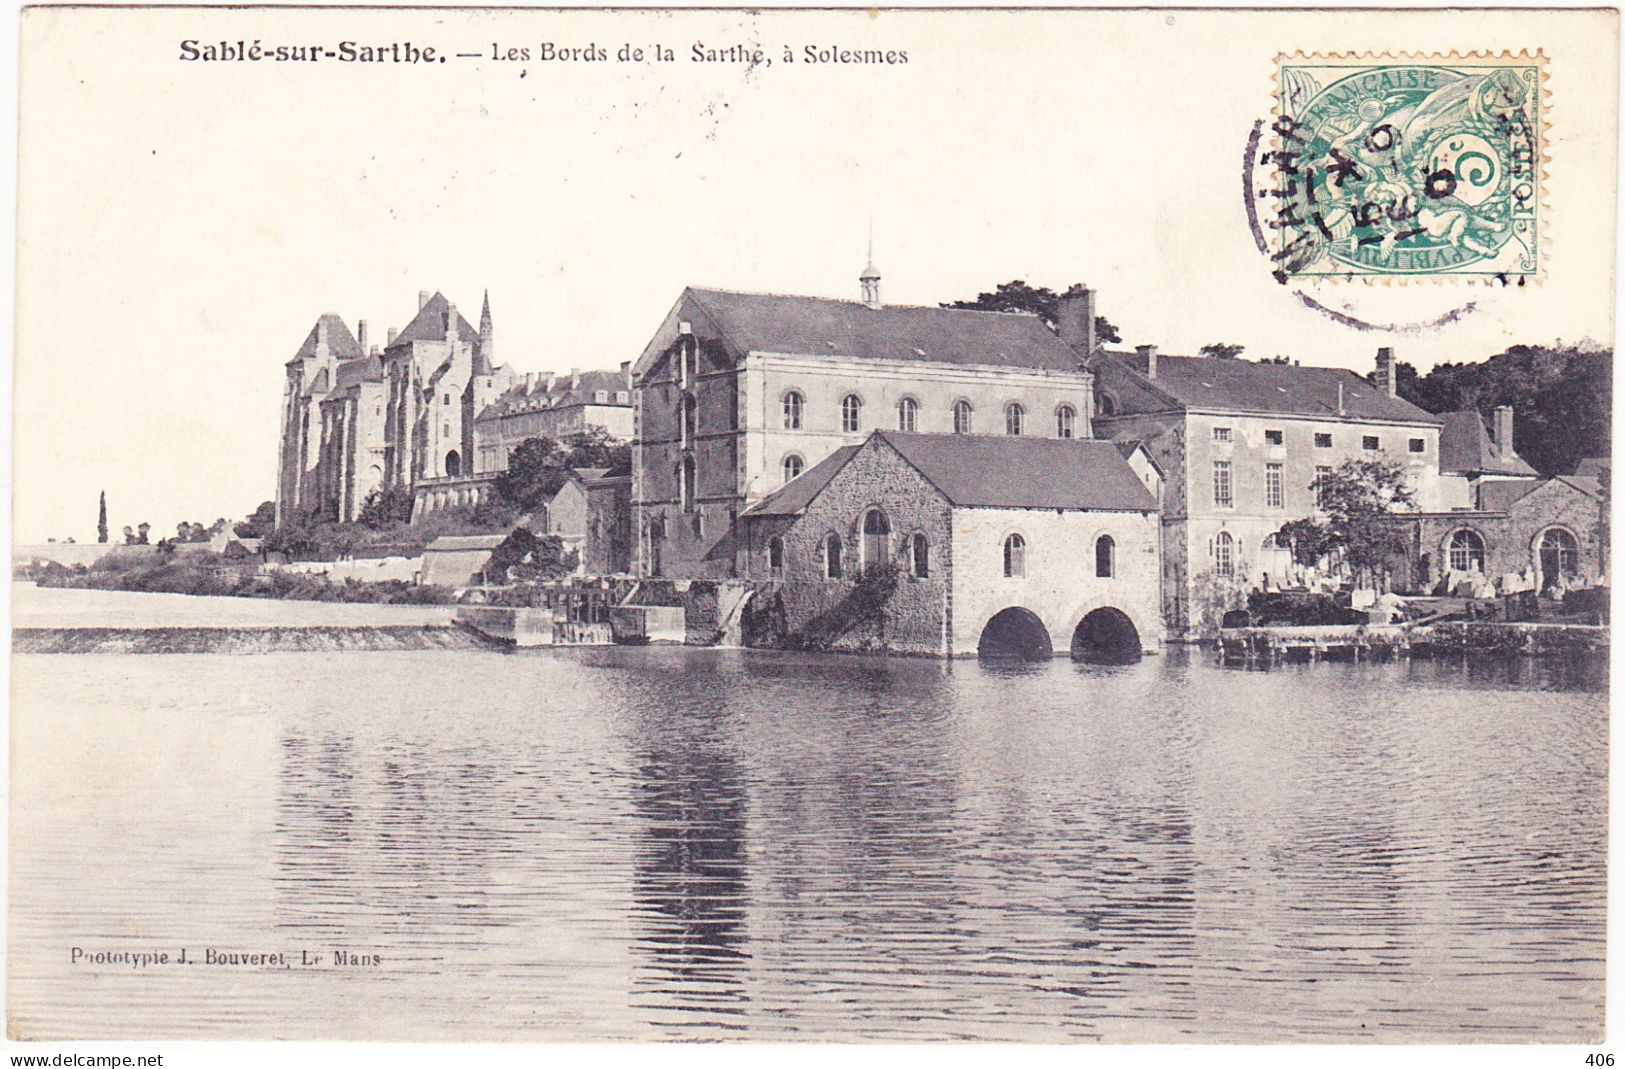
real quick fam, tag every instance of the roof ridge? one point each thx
(854, 301)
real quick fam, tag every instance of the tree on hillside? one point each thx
(101, 520)
(383, 508)
(1017, 296)
(539, 466)
(260, 523)
(1221, 350)
(1561, 397)
(1358, 499)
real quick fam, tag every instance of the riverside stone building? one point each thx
(1011, 544)
(738, 393)
(1242, 446)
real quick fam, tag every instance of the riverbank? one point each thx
(59, 607)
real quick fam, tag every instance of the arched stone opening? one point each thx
(454, 463)
(1015, 634)
(1106, 636)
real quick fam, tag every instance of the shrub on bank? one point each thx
(177, 577)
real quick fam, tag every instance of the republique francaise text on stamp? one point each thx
(1407, 167)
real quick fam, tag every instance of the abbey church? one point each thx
(358, 419)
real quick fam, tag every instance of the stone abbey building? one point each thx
(430, 412)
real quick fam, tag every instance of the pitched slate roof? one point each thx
(340, 342)
(429, 324)
(366, 369)
(990, 471)
(1497, 495)
(1012, 471)
(1465, 446)
(517, 399)
(1278, 389)
(461, 542)
(794, 497)
(820, 326)
(1594, 467)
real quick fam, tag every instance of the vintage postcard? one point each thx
(812, 525)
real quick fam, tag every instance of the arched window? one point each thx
(1106, 404)
(1015, 418)
(1064, 417)
(908, 413)
(454, 463)
(962, 414)
(446, 400)
(793, 402)
(775, 555)
(793, 466)
(876, 545)
(1015, 557)
(687, 478)
(832, 556)
(691, 418)
(1105, 557)
(1224, 554)
(1559, 556)
(1466, 551)
(851, 413)
(919, 551)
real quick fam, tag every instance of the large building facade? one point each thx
(430, 413)
(739, 393)
(1002, 545)
(1243, 446)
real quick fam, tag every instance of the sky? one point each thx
(182, 224)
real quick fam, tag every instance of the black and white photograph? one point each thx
(811, 526)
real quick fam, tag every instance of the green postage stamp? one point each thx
(1407, 168)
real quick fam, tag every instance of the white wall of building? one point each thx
(1060, 586)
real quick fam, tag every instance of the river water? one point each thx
(704, 844)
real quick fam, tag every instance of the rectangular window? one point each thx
(1419, 445)
(1323, 441)
(1274, 486)
(1221, 485)
(1274, 437)
(1322, 473)
(1221, 434)
(1370, 441)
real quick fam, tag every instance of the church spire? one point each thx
(870, 279)
(487, 345)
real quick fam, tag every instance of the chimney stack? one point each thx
(361, 335)
(530, 381)
(321, 338)
(1503, 430)
(451, 322)
(547, 382)
(1148, 353)
(1387, 378)
(423, 298)
(389, 336)
(575, 378)
(626, 373)
(1075, 319)
(1341, 409)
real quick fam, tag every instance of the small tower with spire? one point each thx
(487, 346)
(870, 279)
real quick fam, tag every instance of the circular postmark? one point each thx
(1396, 173)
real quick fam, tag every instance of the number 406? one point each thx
(1600, 1059)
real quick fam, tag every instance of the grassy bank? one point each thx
(213, 575)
